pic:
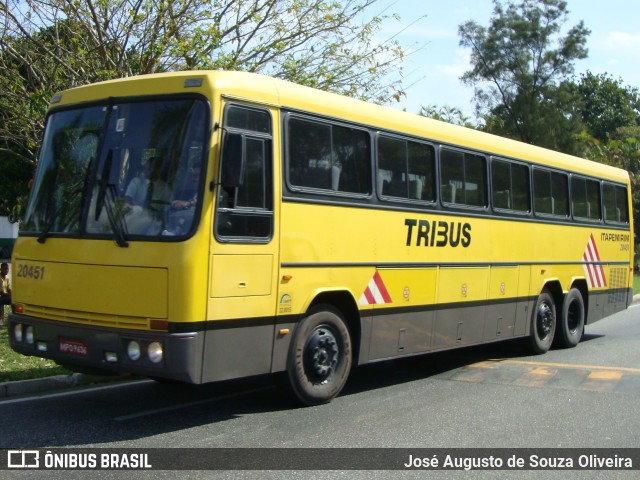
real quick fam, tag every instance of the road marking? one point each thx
(602, 381)
(487, 364)
(536, 377)
(525, 373)
(155, 411)
(569, 365)
(605, 375)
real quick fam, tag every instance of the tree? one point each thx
(607, 105)
(621, 149)
(50, 45)
(446, 114)
(521, 64)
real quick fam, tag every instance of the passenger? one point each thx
(138, 189)
(147, 197)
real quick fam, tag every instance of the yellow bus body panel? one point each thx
(97, 288)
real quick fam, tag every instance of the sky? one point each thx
(430, 28)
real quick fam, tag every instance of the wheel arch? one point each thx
(343, 301)
(581, 285)
(554, 287)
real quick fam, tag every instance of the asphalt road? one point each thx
(490, 397)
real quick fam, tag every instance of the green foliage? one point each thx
(611, 113)
(447, 114)
(622, 150)
(49, 46)
(607, 105)
(520, 66)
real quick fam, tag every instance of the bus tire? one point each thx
(543, 323)
(320, 357)
(572, 322)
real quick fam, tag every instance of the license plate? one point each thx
(73, 347)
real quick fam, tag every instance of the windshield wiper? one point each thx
(107, 196)
(45, 231)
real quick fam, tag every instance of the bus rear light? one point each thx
(18, 308)
(154, 352)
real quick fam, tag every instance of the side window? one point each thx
(245, 212)
(615, 204)
(585, 199)
(510, 186)
(406, 169)
(422, 171)
(328, 157)
(550, 193)
(463, 178)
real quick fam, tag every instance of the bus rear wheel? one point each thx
(572, 321)
(320, 357)
(543, 323)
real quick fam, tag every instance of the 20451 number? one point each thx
(34, 272)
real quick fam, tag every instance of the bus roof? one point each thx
(280, 93)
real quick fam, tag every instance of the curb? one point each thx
(19, 388)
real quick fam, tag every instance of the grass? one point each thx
(636, 284)
(14, 366)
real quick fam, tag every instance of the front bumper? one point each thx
(108, 350)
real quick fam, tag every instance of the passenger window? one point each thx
(328, 157)
(550, 193)
(463, 178)
(406, 169)
(510, 186)
(585, 199)
(422, 171)
(615, 204)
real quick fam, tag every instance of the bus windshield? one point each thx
(123, 170)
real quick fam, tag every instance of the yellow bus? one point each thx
(203, 226)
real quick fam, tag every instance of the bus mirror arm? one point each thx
(233, 160)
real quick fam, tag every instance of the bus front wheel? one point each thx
(320, 357)
(572, 322)
(543, 323)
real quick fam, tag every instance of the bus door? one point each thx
(244, 255)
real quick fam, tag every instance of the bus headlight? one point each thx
(154, 351)
(133, 350)
(28, 335)
(17, 333)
